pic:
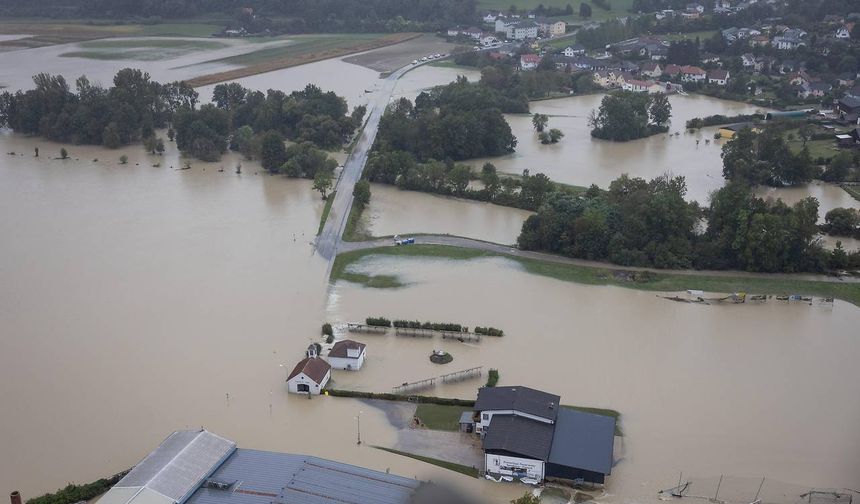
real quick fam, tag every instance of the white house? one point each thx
(843, 33)
(574, 50)
(472, 32)
(522, 30)
(309, 376)
(488, 39)
(691, 73)
(347, 354)
(719, 77)
(529, 61)
(635, 85)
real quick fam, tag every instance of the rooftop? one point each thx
(340, 348)
(583, 440)
(523, 399)
(520, 436)
(172, 471)
(314, 367)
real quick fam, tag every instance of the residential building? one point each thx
(608, 79)
(525, 433)
(691, 73)
(550, 27)
(453, 32)
(199, 467)
(522, 30)
(846, 79)
(849, 105)
(790, 39)
(529, 61)
(574, 50)
(719, 77)
(843, 33)
(759, 41)
(347, 354)
(635, 85)
(309, 376)
(814, 89)
(490, 18)
(472, 32)
(672, 70)
(651, 69)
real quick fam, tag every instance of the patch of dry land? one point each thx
(396, 56)
(301, 50)
(41, 34)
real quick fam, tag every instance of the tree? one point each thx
(272, 151)
(64, 154)
(660, 110)
(323, 182)
(361, 192)
(584, 10)
(123, 159)
(110, 136)
(539, 121)
(149, 144)
(555, 135)
(842, 222)
(171, 133)
(527, 498)
(490, 179)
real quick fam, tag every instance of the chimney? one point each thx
(15, 497)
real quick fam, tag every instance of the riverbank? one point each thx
(593, 273)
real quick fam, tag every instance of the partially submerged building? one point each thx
(199, 467)
(347, 354)
(309, 376)
(527, 434)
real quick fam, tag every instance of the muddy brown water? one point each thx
(137, 300)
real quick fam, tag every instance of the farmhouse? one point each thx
(529, 61)
(199, 467)
(347, 354)
(691, 73)
(526, 434)
(719, 77)
(309, 376)
(729, 130)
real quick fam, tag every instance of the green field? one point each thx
(151, 49)
(440, 417)
(703, 35)
(326, 211)
(619, 8)
(854, 191)
(44, 33)
(662, 282)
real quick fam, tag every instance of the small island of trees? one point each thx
(626, 115)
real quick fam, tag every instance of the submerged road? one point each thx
(330, 238)
(510, 250)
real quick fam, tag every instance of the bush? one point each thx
(377, 321)
(489, 331)
(433, 326)
(327, 330)
(492, 378)
(76, 493)
(329, 339)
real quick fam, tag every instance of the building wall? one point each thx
(483, 423)
(301, 378)
(352, 364)
(572, 473)
(504, 465)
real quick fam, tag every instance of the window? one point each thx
(485, 416)
(497, 462)
(303, 387)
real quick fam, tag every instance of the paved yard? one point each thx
(457, 447)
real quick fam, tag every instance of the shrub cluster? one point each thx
(718, 119)
(492, 378)
(377, 321)
(489, 331)
(434, 326)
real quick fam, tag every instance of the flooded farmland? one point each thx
(135, 300)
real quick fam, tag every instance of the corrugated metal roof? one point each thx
(583, 441)
(517, 398)
(261, 477)
(173, 471)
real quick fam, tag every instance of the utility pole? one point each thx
(358, 427)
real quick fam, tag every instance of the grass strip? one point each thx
(439, 417)
(664, 282)
(326, 211)
(451, 466)
(853, 190)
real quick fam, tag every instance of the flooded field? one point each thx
(426, 77)
(581, 160)
(829, 196)
(720, 389)
(392, 211)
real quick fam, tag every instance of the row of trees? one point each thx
(503, 76)
(642, 223)
(127, 111)
(627, 115)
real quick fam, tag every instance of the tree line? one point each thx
(127, 111)
(764, 157)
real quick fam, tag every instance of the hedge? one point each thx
(434, 326)
(76, 493)
(492, 378)
(377, 321)
(489, 331)
(401, 397)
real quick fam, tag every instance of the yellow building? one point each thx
(729, 130)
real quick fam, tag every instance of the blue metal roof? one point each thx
(583, 441)
(259, 477)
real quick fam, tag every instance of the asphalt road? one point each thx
(330, 238)
(469, 243)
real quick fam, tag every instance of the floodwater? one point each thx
(829, 196)
(429, 76)
(743, 390)
(392, 211)
(581, 160)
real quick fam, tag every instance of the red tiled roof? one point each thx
(314, 367)
(340, 348)
(692, 70)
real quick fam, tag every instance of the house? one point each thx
(199, 467)
(529, 61)
(848, 105)
(635, 85)
(816, 89)
(490, 18)
(651, 69)
(551, 28)
(472, 32)
(719, 77)
(748, 61)
(759, 41)
(608, 79)
(309, 376)
(843, 33)
(453, 32)
(846, 79)
(525, 433)
(672, 70)
(574, 50)
(502, 24)
(347, 354)
(790, 39)
(522, 30)
(691, 73)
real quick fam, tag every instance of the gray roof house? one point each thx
(198, 467)
(526, 433)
